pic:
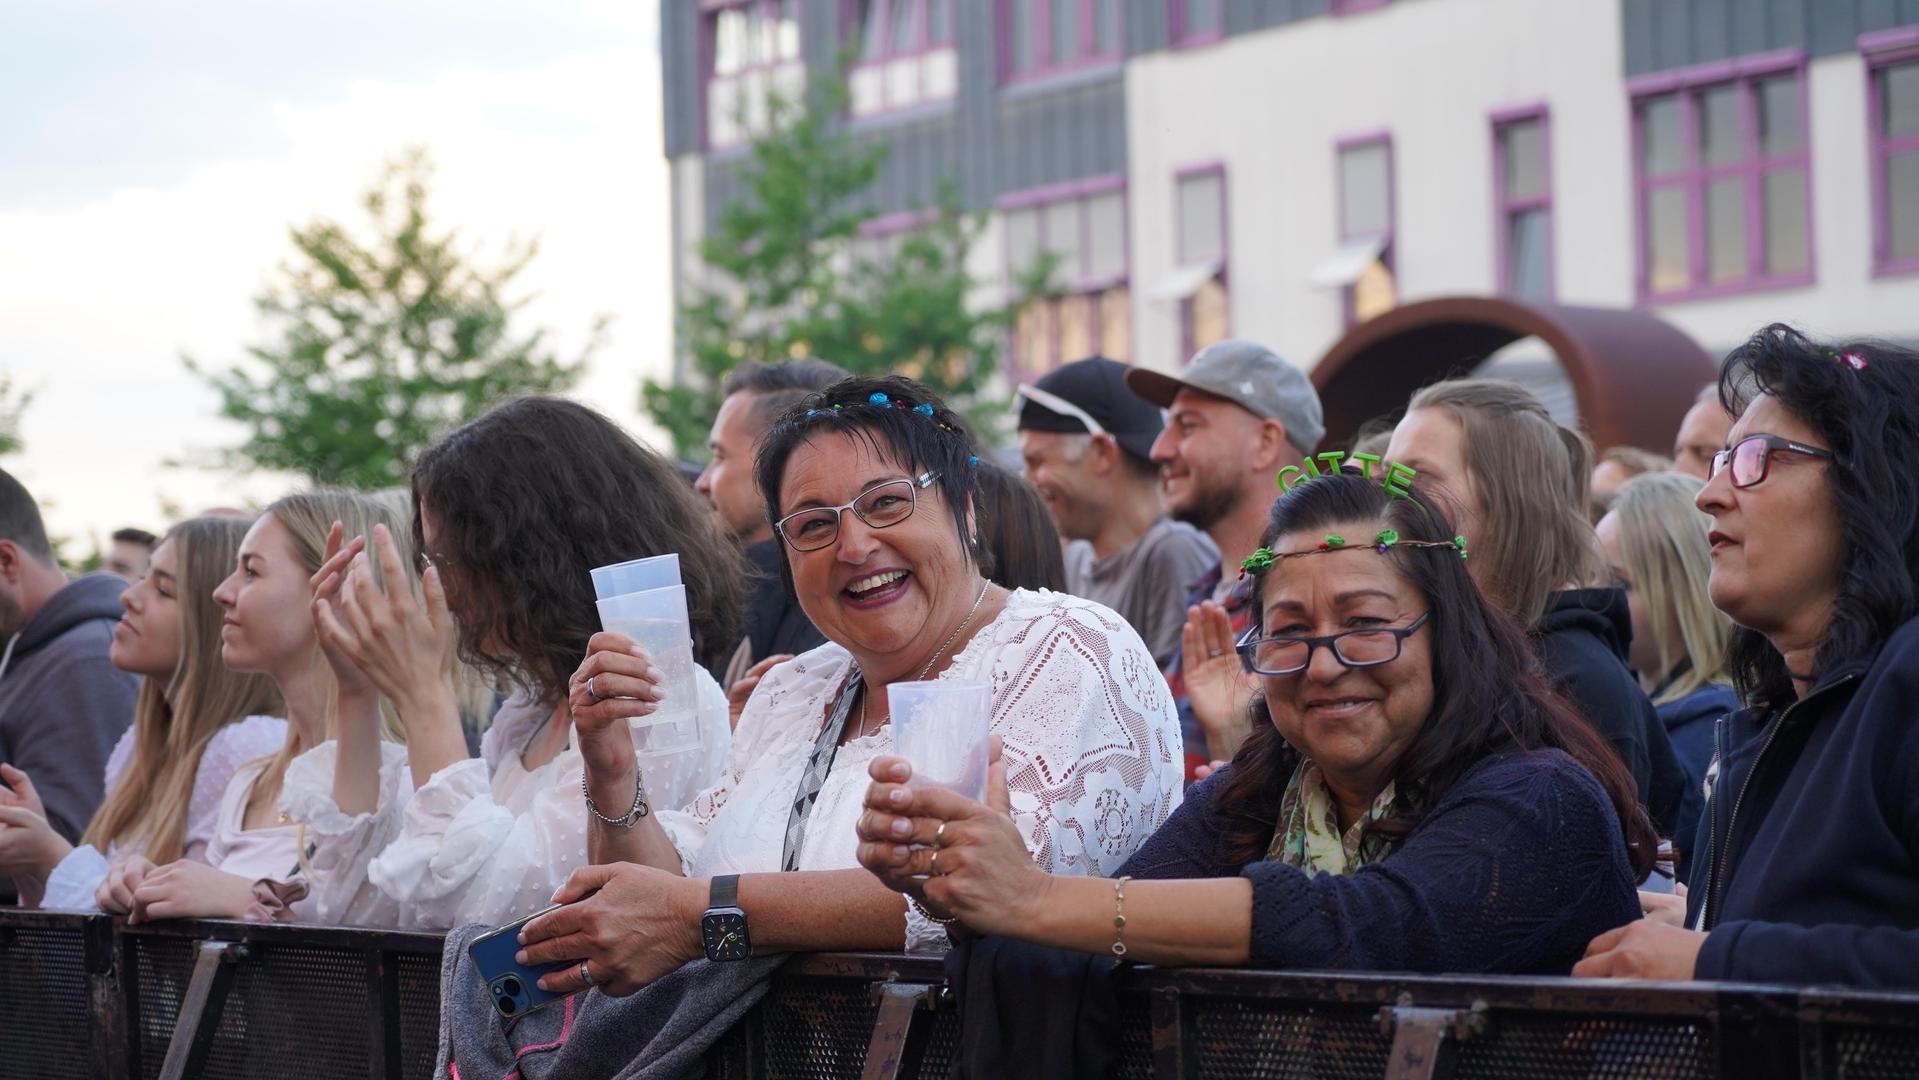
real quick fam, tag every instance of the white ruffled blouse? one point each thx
(71, 885)
(485, 840)
(1092, 751)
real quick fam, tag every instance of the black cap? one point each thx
(1095, 386)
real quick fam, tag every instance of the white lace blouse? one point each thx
(71, 885)
(1092, 751)
(485, 840)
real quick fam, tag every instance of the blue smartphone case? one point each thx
(514, 987)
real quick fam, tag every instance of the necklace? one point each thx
(957, 630)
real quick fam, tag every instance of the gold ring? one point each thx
(939, 835)
(934, 869)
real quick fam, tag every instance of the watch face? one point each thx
(724, 934)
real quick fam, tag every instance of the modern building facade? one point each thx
(1278, 169)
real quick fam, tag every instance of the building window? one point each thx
(1200, 246)
(1362, 268)
(1523, 204)
(1045, 37)
(906, 54)
(1196, 22)
(1893, 112)
(753, 50)
(1088, 311)
(1723, 181)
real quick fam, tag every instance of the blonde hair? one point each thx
(307, 517)
(147, 808)
(1664, 551)
(1533, 477)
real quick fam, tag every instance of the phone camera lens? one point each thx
(509, 1006)
(510, 986)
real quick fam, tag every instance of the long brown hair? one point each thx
(147, 808)
(1488, 695)
(1533, 477)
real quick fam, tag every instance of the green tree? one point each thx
(781, 278)
(382, 344)
(14, 400)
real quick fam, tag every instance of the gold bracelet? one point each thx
(923, 910)
(1119, 917)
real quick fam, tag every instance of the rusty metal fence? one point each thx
(82, 997)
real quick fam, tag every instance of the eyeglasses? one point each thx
(1752, 457)
(881, 506)
(1370, 647)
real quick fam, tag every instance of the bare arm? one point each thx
(625, 684)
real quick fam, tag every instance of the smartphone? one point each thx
(514, 987)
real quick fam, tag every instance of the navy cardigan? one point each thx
(1514, 871)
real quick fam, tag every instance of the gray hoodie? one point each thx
(62, 704)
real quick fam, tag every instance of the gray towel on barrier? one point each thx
(661, 1033)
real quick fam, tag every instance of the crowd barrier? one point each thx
(83, 997)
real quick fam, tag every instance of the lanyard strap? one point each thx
(818, 765)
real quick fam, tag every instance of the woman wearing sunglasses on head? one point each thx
(1808, 866)
(871, 488)
(1413, 799)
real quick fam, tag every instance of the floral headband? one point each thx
(879, 400)
(1383, 541)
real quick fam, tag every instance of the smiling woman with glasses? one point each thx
(873, 489)
(1413, 798)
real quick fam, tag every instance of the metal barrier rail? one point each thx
(82, 997)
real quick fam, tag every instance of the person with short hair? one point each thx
(752, 397)
(1809, 856)
(1020, 547)
(1087, 443)
(128, 552)
(1616, 466)
(1519, 480)
(63, 705)
(1702, 434)
(1238, 414)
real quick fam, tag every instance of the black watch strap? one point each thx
(726, 892)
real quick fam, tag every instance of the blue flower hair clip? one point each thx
(973, 461)
(923, 409)
(877, 398)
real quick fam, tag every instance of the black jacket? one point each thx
(774, 621)
(1582, 643)
(1811, 839)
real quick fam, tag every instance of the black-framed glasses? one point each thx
(1751, 458)
(1369, 647)
(881, 506)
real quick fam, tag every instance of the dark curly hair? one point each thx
(1488, 693)
(913, 427)
(1868, 417)
(533, 495)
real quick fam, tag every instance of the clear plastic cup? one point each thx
(941, 727)
(636, 575)
(657, 620)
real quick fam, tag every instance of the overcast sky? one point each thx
(153, 154)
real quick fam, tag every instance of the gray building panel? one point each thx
(1659, 35)
(1061, 135)
(680, 76)
(1246, 16)
(1148, 25)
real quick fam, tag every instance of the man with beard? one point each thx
(62, 702)
(1237, 415)
(1086, 442)
(752, 398)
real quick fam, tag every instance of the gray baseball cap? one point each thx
(1251, 376)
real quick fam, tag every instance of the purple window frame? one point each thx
(1042, 37)
(1181, 37)
(1082, 192)
(708, 12)
(856, 35)
(1504, 209)
(1354, 7)
(1389, 253)
(1180, 176)
(1693, 179)
(1882, 50)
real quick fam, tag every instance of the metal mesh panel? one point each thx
(44, 1026)
(1857, 1053)
(817, 1029)
(162, 967)
(1135, 1038)
(418, 1009)
(1599, 1048)
(942, 1043)
(1286, 1040)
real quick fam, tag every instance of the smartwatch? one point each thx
(723, 927)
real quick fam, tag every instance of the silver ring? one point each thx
(592, 694)
(1214, 655)
(939, 835)
(587, 976)
(934, 869)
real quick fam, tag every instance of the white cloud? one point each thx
(98, 298)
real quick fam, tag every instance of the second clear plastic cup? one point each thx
(941, 727)
(657, 620)
(636, 575)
